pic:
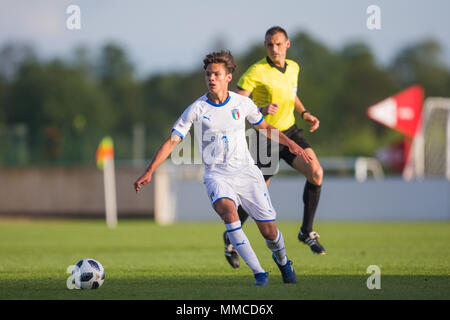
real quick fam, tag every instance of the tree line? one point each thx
(55, 111)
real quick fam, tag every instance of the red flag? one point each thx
(401, 112)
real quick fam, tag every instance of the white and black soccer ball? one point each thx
(88, 274)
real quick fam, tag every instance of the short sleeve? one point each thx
(253, 115)
(249, 79)
(184, 123)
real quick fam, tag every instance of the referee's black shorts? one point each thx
(293, 133)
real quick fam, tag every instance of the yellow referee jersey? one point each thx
(271, 84)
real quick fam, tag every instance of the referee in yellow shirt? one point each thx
(272, 84)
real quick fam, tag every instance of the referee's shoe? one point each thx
(231, 254)
(311, 240)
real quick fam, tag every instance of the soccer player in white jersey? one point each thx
(231, 176)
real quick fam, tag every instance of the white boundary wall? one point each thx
(341, 199)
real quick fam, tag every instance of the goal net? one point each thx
(430, 149)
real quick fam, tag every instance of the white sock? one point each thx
(240, 242)
(277, 247)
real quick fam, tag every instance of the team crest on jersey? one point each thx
(211, 196)
(235, 113)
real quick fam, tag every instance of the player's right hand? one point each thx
(271, 108)
(142, 181)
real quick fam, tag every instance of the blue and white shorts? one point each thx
(247, 189)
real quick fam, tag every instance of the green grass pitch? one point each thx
(185, 261)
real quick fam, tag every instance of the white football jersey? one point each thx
(222, 139)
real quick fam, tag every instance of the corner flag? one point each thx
(105, 151)
(105, 162)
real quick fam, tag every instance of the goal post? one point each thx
(430, 149)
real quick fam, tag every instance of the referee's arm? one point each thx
(308, 117)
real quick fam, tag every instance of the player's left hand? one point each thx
(299, 151)
(312, 121)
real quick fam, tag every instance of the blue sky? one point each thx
(174, 35)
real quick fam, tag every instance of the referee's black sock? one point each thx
(311, 196)
(243, 215)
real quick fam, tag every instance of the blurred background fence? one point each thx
(177, 193)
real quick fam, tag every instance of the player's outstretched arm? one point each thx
(308, 117)
(274, 134)
(161, 155)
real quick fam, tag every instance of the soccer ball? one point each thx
(88, 274)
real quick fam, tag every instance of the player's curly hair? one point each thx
(222, 56)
